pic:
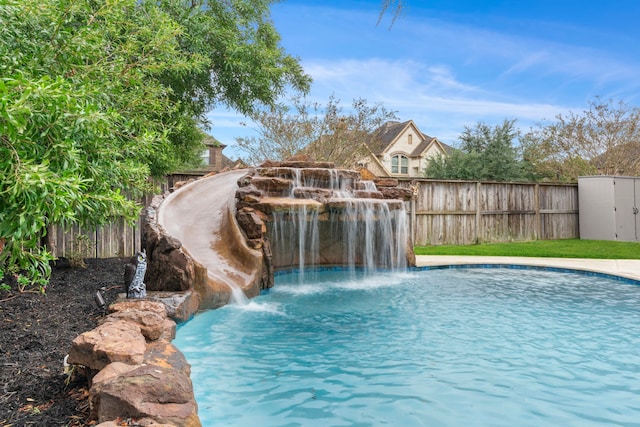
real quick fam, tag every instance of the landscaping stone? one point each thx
(168, 330)
(151, 324)
(400, 193)
(385, 182)
(180, 306)
(143, 422)
(251, 223)
(368, 194)
(117, 341)
(137, 379)
(169, 267)
(149, 390)
(272, 185)
(139, 305)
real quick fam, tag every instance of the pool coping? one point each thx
(624, 268)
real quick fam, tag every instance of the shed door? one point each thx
(636, 207)
(625, 195)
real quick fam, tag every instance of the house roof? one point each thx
(386, 134)
(225, 162)
(426, 142)
(210, 141)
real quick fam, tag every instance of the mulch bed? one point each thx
(36, 331)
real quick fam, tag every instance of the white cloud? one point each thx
(445, 75)
(410, 87)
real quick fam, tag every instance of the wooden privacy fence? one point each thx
(466, 212)
(443, 212)
(117, 239)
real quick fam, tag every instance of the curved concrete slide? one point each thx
(202, 216)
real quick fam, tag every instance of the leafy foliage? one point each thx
(604, 139)
(485, 153)
(96, 96)
(323, 133)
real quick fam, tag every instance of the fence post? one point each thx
(537, 207)
(478, 213)
(52, 238)
(413, 221)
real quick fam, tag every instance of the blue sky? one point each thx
(451, 64)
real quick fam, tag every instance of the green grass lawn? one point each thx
(570, 248)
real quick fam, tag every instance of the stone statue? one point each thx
(134, 276)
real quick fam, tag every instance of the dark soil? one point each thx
(36, 331)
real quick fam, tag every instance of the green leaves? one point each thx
(486, 153)
(81, 115)
(96, 96)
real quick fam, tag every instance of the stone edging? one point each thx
(135, 371)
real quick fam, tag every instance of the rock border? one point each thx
(136, 375)
(135, 371)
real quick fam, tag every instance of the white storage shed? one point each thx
(609, 207)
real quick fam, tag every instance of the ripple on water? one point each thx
(442, 347)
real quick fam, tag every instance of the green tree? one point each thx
(96, 96)
(484, 153)
(323, 133)
(246, 68)
(603, 139)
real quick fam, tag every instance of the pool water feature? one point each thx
(305, 215)
(455, 347)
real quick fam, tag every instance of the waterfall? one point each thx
(375, 235)
(295, 230)
(323, 221)
(296, 181)
(369, 185)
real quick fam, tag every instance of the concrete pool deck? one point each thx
(628, 268)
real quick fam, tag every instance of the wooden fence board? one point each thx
(111, 240)
(465, 212)
(445, 213)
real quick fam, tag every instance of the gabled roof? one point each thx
(379, 164)
(427, 141)
(386, 134)
(422, 147)
(209, 141)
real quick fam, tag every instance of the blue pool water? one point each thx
(465, 347)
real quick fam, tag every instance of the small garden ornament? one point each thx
(134, 276)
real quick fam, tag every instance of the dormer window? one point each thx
(400, 164)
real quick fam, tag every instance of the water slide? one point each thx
(201, 216)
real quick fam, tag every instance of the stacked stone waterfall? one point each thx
(308, 214)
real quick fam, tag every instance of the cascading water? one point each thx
(295, 230)
(345, 228)
(369, 186)
(375, 235)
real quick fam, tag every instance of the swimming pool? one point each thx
(452, 347)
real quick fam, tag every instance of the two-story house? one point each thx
(401, 150)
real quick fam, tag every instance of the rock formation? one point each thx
(335, 203)
(135, 371)
(286, 214)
